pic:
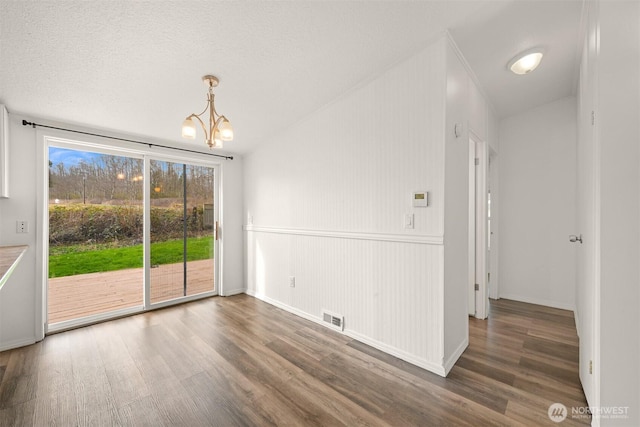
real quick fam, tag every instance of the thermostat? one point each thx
(420, 199)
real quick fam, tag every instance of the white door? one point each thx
(586, 218)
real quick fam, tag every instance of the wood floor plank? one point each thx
(58, 404)
(22, 414)
(141, 412)
(238, 361)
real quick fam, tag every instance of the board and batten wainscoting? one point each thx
(356, 287)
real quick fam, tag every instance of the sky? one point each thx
(71, 157)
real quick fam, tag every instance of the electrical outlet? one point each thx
(249, 219)
(292, 281)
(22, 227)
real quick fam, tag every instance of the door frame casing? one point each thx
(478, 257)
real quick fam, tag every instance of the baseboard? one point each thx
(231, 292)
(17, 343)
(539, 301)
(285, 307)
(448, 364)
(400, 354)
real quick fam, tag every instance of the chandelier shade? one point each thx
(188, 129)
(218, 129)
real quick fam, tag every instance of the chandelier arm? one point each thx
(203, 111)
(213, 105)
(204, 129)
(215, 125)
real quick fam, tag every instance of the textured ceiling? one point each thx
(135, 66)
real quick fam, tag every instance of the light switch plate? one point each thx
(408, 221)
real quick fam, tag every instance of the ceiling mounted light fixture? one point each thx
(526, 62)
(219, 128)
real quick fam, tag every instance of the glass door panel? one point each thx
(201, 230)
(95, 234)
(182, 230)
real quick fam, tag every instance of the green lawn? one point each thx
(78, 261)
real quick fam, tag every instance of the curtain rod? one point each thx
(26, 123)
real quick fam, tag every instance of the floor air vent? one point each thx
(332, 320)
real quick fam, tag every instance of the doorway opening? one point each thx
(478, 299)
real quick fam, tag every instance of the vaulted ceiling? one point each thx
(136, 66)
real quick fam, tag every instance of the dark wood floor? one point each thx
(238, 361)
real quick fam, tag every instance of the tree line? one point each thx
(107, 177)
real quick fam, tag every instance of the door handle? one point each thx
(573, 238)
(217, 231)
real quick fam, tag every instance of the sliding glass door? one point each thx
(183, 230)
(126, 231)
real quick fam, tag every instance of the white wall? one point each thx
(618, 123)
(231, 227)
(18, 295)
(327, 198)
(537, 164)
(19, 311)
(456, 223)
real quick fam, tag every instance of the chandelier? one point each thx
(219, 128)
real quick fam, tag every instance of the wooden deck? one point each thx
(84, 295)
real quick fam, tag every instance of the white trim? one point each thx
(181, 300)
(539, 301)
(597, 221)
(17, 343)
(482, 297)
(232, 292)
(400, 354)
(95, 318)
(472, 294)
(380, 237)
(4, 152)
(218, 215)
(448, 364)
(494, 254)
(42, 235)
(407, 357)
